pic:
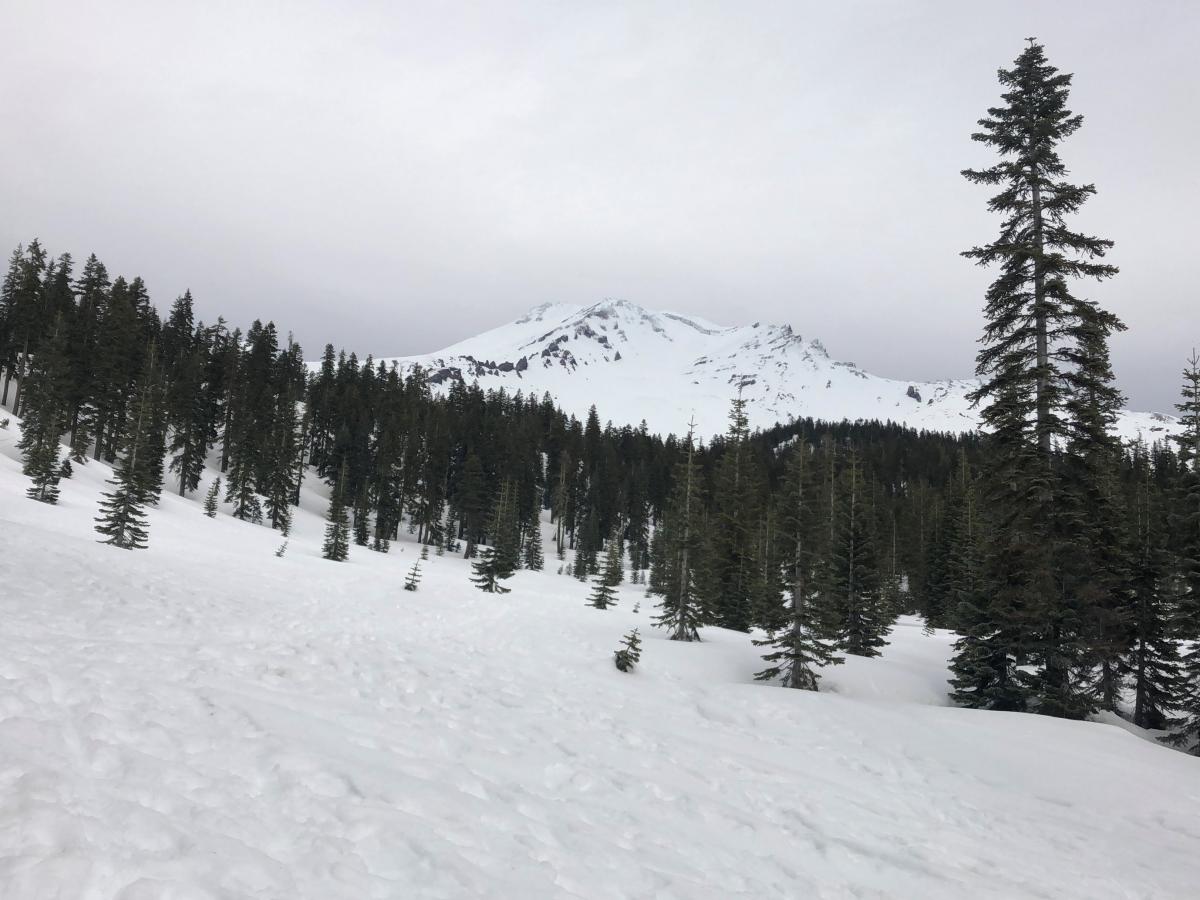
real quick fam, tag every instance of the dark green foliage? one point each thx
(337, 532)
(122, 519)
(630, 653)
(1045, 385)
(675, 552)
(533, 558)
(1184, 550)
(413, 580)
(604, 589)
(212, 498)
(733, 549)
(853, 579)
(1153, 662)
(497, 562)
(799, 637)
(45, 417)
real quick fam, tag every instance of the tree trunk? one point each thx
(1040, 318)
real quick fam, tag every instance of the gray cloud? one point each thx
(394, 177)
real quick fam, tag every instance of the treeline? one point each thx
(88, 362)
(817, 534)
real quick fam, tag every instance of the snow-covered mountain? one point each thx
(635, 364)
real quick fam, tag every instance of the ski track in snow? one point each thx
(204, 720)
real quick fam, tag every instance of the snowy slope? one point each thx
(635, 365)
(205, 720)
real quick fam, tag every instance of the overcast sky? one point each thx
(392, 177)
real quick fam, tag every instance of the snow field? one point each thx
(204, 720)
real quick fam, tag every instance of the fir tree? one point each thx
(854, 574)
(1185, 552)
(191, 418)
(604, 586)
(496, 563)
(337, 532)
(732, 546)
(486, 573)
(799, 641)
(212, 498)
(1154, 656)
(534, 560)
(1030, 353)
(122, 519)
(413, 580)
(674, 548)
(45, 417)
(630, 653)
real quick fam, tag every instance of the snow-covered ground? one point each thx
(205, 720)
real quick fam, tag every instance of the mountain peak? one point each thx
(665, 368)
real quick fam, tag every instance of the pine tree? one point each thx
(732, 538)
(211, 499)
(674, 549)
(496, 563)
(45, 417)
(337, 533)
(534, 560)
(1029, 366)
(414, 577)
(854, 574)
(630, 653)
(1154, 656)
(604, 586)
(122, 519)
(588, 546)
(156, 434)
(487, 573)
(799, 640)
(1185, 553)
(1185, 521)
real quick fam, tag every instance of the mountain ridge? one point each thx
(668, 369)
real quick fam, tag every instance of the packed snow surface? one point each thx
(204, 720)
(667, 369)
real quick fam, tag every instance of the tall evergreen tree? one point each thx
(854, 573)
(337, 532)
(496, 563)
(799, 642)
(45, 416)
(533, 557)
(677, 543)
(1153, 657)
(604, 586)
(736, 509)
(1031, 364)
(1185, 550)
(212, 498)
(122, 519)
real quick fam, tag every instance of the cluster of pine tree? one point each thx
(796, 538)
